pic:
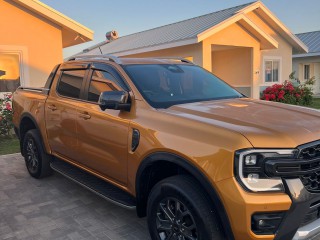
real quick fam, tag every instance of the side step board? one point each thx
(94, 184)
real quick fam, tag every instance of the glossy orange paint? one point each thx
(206, 134)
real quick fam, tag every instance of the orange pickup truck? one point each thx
(179, 145)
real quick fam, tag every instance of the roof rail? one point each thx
(110, 57)
(176, 58)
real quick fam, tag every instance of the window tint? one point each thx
(165, 85)
(101, 81)
(70, 83)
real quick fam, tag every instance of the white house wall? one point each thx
(297, 65)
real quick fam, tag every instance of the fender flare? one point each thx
(33, 120)
(198, 175)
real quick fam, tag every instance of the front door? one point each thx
(103, 135)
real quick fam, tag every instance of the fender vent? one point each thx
(135, 139)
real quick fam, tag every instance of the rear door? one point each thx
(61, 109)
(103, 135)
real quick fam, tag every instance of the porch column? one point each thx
(256, 73)
(206, 56)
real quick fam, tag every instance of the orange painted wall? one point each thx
(41, 38)
(233, 65)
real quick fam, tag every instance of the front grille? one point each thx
(310, 152)
(311, 180)
(305, 164)
(312, 215)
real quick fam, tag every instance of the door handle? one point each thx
(85, 115)
(52, 107)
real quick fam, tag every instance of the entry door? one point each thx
(61, 113)
(103, 135)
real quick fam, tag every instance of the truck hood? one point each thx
(264, 124)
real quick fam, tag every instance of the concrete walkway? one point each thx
(57, 208)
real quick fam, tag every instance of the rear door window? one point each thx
(70, 83)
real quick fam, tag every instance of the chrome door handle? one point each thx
(85, 115)
(52, 107)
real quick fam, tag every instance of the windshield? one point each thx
(164, 85)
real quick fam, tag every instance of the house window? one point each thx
(272, 70)
(306, 72)
(9, 72)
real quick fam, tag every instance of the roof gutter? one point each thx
(312, 54)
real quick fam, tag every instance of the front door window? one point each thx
(9, 72)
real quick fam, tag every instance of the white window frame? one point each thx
(271, 58)
(22, 52)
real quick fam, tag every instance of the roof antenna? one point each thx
(100, 50)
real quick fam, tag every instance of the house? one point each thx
(247, 46)
(32, 38)
(307, 65)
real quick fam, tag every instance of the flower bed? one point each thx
(6, 112)
(288, 93)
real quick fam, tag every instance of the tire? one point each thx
(178, 209)
(36, 159)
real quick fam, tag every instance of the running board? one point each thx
(94, 184)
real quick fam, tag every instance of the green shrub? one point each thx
(301, 94)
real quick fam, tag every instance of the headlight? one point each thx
(250, 169)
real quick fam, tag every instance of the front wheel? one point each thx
(179, 210)
(37, 160)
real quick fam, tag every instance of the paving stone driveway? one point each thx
(57, 208)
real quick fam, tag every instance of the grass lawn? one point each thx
(9, 145)
(316, 103)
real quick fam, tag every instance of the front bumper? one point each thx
(308, 231)
(297, 203)
(305, 207)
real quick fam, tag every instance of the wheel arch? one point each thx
(147, 176)
(27, 123)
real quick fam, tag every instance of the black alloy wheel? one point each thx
(37, 160)
(32, 156)
(179, 209)
(175, 221)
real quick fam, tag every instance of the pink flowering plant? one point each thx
(287, 92)
(6, 113)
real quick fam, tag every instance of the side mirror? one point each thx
(117, 100)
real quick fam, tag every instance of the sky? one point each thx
(128, 16)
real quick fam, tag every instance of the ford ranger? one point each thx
(179, 145)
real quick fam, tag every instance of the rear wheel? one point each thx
(37, 160)
(178, 209)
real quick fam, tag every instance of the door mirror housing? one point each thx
(117, 100)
